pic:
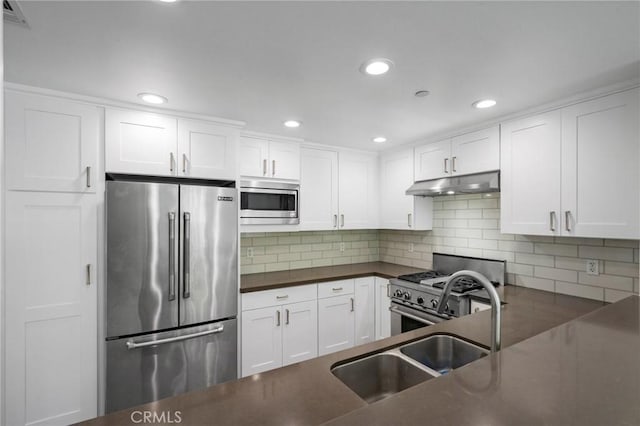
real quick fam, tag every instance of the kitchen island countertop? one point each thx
(564, 361)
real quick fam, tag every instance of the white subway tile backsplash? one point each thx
(536, 283)
(607, 281)
(468, 214)
(469, 233)
(620, 268)
(613, 296)
(516, 246)
(607, 253)
(485, 203)
(483, 244)
(455, 205)
(573, 289)
(535, 259)
(556, 249)
(556, 274)
(484, 223)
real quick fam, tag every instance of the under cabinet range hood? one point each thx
(467, 184)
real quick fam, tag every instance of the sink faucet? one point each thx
(493, 295)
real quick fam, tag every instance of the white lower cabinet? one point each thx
(365, 306)
(477, 306)
(278, 335)
(383, 303)
(51, 320)
(336, 323)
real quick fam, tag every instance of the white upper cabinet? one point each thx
(140, 143)
(600, 167)
(476, 152)
(318, 189)
(358, 190)
(206, 150)
(574, 171)
(398, 210)
(51, 144)
(473, 152)
(266, 158)
(530, 175)
(432, 160)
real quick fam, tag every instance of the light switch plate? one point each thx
(593, 267)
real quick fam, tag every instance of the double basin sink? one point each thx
(381, 375)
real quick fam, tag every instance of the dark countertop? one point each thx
(582, 372)
(279, 279)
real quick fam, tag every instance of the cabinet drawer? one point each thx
(262, 299)
(335, 288)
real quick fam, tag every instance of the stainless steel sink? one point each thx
(379, 376)
(443, 353)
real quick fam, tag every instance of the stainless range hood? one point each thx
(467, 184)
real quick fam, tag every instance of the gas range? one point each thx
(421, 291)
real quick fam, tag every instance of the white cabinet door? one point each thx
(365, 303)
(300, 332)
(396, 176)
(51, 144)
(261, 340)
(476, 152)
(253, 157)
(600, 171)
(383, 303)
(336, 321)
(51, 329)
(318, 189)
(140, 143)
(432, 160)
(358, 191)
(206, 150)
(284, 160)
(530, 175)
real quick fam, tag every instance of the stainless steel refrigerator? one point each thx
(171, 293)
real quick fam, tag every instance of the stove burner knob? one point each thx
(434, 303)
(420, 301)
(407, 295)
(398, 293)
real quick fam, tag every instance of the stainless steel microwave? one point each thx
(269, 203)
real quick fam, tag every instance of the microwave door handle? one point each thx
(186, 292)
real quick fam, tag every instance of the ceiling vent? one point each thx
(12, 13)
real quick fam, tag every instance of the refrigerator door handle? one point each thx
(132, 345)
(172, 256)
(186, 292)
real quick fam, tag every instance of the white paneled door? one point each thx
(206, 150)
(358, 191)
(336, 320)
(383, 303)
(51, 320)
(299, 332)
(432, 160)
(600, 167)
(261, 340)
(51, 144)
(284, 160)
(476, 152)
(318, 189)
(365, 305)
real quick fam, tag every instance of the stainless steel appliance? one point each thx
(269, 203)
(171, 294)
(466, 184)
(414, 297)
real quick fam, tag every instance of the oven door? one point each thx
(405, 318)
(269, 205)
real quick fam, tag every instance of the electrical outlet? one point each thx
(250, 252)
(341, 246)
(593, 267)
(411, 247)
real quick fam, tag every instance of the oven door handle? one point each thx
(408, 315)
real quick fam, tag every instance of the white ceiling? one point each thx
(264, 62)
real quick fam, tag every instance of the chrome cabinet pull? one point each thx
(184, 163)
(352, 303)
(172, 256)
(342, 221)
(409, 220)
(335, 220)
(132, 345)
(88, 176)
(171, 161)
(186, 292)
(453, 164)
(445, 165)
(286, 320)
(282, 297)
(337, 289)
(567, 220)
(264, 167)
(273, 167)
(278, 318)
(88, 282)
(552, 221)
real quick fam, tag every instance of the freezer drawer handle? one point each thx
(186, 267)
(172, 256)
(132, 345)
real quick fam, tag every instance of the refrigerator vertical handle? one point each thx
(172, 256)
(186, 291)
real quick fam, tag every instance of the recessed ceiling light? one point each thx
(379, 139)
(292, 123)
(451, 192)
(152, 98)
(376, 66)
(421, 93)
(485, 103)
(168, 1)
